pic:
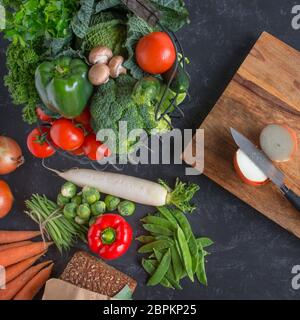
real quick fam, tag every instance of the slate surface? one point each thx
(252, 257)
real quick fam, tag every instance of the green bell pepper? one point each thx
(63, 85)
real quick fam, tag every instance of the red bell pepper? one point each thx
(110, 236)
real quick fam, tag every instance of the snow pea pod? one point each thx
(170, 276)
(150, 267)
(153, 228)
(161, 270)
(166, 213)
(159, 245)
(160, 222)
(200, 273)
(145, 239)
(183, 223)
(176, 263)
(204, 242)
(185, 252)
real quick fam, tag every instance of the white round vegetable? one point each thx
(279, 142)
(247, 170)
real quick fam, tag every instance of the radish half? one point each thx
(279, 142)
(247, 170)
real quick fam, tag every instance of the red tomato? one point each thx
(6, 199)
(85, 119)
(66, 135)
(155, 53)
(42, 115)
(90, 146)
(38, 145)
(93, 149)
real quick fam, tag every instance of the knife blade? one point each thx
(266, 166)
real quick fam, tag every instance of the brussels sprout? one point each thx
(80, 221)
(77, 199)
(91, 195)
(126, 208)
(61, 200)
(70, 210)
(98, 208)
(111, 202)
(84, 212)
(68, 190)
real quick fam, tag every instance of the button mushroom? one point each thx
(99, 74)
(115, 66)
(100, 55)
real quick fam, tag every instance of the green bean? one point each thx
(157, 229)
(159, 245)
(157, 237)
(145, 239)
(161, 270)
(186, 255)
(150, 267)
(160, 222)
(166, 213)
(176, 263)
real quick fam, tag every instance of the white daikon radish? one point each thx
(279, 142)
(132, 188)
(247, 170)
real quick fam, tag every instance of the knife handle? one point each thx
(293, 198)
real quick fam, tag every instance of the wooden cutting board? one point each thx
(266, 89)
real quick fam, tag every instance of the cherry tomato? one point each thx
(85, 119)
(6, 199)
(38, 145)
(66, 135)
(42, 115)
(93, 149)
(155, 53)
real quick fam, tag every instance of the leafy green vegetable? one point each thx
(106, 29)
(107, 4)
(21, 64)
(174, 14)
(82, 19)
(34, 19)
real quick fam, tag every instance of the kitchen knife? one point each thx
(266, 165)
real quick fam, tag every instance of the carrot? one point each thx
(31, 289)
(14, 245)
(15, 255)
(14, 286)
(16, 269)
(15, 236)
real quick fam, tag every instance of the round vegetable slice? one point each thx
(279, 142)
(247, 170)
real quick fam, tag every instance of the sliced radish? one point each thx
(279, 142)
(247, 170)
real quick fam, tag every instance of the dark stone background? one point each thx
(252, 257)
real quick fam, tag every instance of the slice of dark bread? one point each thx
(86, 271)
